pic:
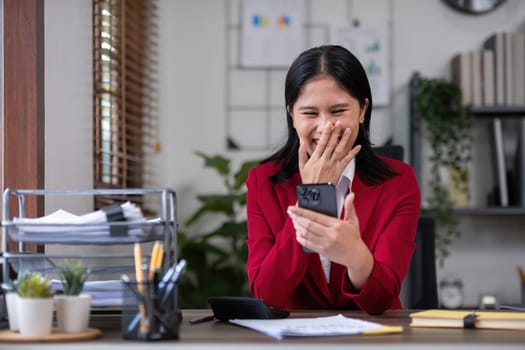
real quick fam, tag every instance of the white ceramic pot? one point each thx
(72, 312)
(35, 316)
(12, 312)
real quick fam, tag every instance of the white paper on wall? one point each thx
(272, 32)
(371, 48)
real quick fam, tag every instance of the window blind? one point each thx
(125, 95)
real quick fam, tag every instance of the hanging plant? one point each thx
(447, 124)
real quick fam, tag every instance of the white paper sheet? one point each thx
(58, 220)
(307, 327)
(92, 224)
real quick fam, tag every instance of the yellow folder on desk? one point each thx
(479, 319)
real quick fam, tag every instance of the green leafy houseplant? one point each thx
(34, 285)
(72, 277)
(217, 259)
(447, 128)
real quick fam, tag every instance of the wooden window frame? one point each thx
(24, 118)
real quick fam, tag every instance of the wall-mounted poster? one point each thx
(272, 32)
(371, 48)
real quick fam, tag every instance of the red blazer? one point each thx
(285, 277)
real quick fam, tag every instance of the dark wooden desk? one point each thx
(221, 335)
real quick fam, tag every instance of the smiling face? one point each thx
(322, 101)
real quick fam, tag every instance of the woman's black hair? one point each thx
(340, 64)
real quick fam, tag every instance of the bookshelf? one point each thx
(480, 113)
(502, 113)
(499, 111)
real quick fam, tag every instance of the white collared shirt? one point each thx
(341, 190)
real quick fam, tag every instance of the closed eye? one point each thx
(309, 113)
(339, 108)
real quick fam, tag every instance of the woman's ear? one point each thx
(290, 114)
(363, 111)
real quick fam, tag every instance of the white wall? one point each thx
(68, 100)
(424, 35)
(191, 94)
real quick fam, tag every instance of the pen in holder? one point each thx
(150, 310)
(149, 313)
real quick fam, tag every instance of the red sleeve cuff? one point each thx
(374, 297)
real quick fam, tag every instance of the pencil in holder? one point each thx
(150, 312)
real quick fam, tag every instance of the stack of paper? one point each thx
(84, 229)
(59, 220)
(319, 326)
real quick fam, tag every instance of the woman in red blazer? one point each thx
(361, 258)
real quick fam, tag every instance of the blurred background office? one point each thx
(203, 89)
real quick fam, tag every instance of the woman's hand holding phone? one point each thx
(317, 197)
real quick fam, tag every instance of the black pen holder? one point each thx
(150, 312)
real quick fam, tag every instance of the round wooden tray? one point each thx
(9, 336)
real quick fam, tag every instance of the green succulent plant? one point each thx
(34, 285)
(12, 285)
(73, 275)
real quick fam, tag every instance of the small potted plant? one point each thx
(34, 305)
(72, 307)
(11, 297)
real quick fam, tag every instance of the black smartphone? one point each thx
(227, 308)
(317, 197)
